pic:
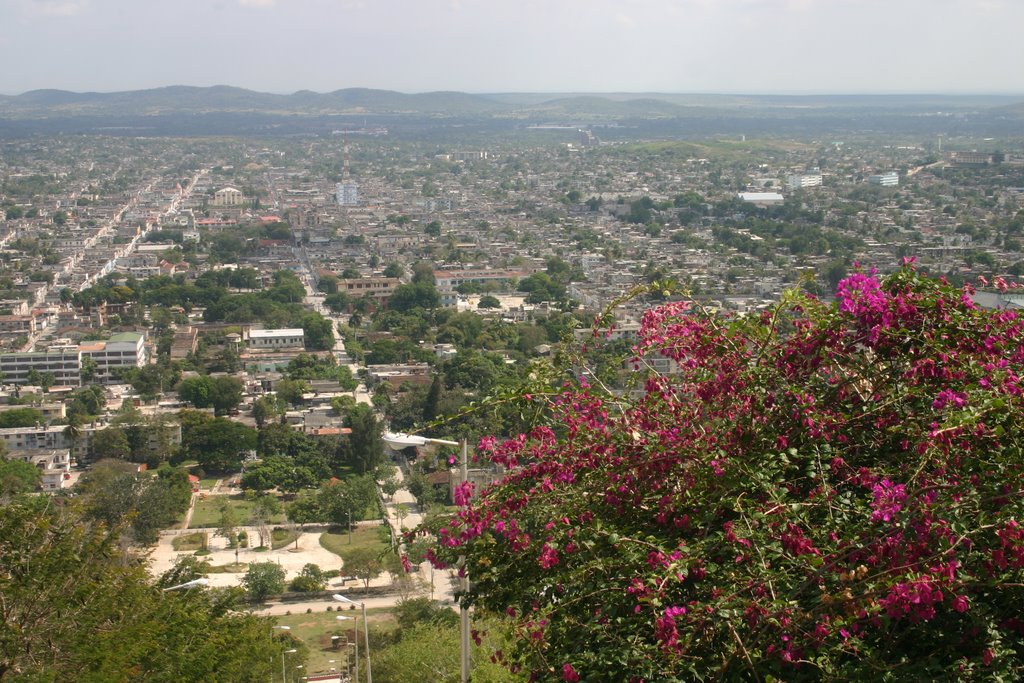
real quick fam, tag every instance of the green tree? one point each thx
(40, 379)
(225, 394)
(489, 301)
(89, 369)
(363, 563)
(262, 580)
(305, 509)
(432, 402)
(76, 608)
(363, 448)
(338, 302)
(291, 390)
(311, 579)
(115, 493)
(268, 409)
(264, 507)
(196, 390)
(21, 417)
(341, 501)
(228, 520)
(86, 403)
(218, 444)
(17, 476)
(318, 331)
(109, 443)
(414, 295)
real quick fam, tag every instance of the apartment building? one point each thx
(64, 362)
(890, 179)
(375, 287)
(125, 350)
(799, 181)
(54, 465)
(12, 326)
(273, 340)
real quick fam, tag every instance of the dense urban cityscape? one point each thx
(566, 359)
(244, 317)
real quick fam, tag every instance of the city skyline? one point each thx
(686, 46)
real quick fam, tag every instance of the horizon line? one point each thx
(485, 93)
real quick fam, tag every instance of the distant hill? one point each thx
(1011, 110)
(181, 99)
(221, 98)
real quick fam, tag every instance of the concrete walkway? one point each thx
(291, 559)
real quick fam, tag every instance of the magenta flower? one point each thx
(569, 673)
(548, 557)
(957, 399)
(888, 500)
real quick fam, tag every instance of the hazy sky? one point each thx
(726, 46)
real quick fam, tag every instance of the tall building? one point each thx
(122, 351)
(347, 194)
(228, 196)
(796, 182)
(890, 179)
(64, 362)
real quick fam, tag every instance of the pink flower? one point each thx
(957, 399)
(960, 604)
(548, 557)
(888, 500)
(463, 493)
(569, 673)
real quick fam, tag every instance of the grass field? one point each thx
(282, 537)
(362, 537)
(316, 629)
(189, 541)
(207, 511)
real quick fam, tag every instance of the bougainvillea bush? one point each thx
(822, 492)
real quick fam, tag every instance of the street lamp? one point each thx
(355, 644)
(282, 628)
(285, 652)
(400, 440)
(366, 636)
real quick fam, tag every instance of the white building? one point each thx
(288, 338)
(762, 198)
(228, 196)
(800, 181)
(890, 179)
(125, 350)
(53, 464)
(347, 194)
(64, 362)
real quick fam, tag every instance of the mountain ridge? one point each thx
(49, 102)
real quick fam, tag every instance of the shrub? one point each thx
(309, 580)
(821, 492)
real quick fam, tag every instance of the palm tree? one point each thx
(73, 431)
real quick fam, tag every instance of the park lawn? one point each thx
(282, 537)
(316, 629)
(190, 541)
(207, 512)
(362, 537)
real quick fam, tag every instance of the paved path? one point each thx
(433, 582)
(291, 559)
(441, 588)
